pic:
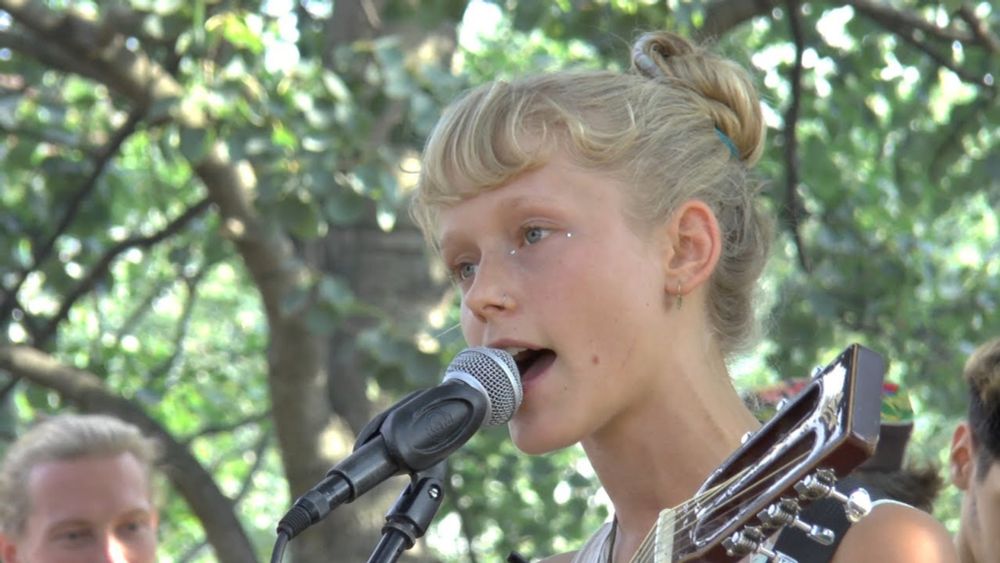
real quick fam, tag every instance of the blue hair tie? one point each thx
(728, 142)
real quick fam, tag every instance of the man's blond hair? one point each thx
(62, 438)
(982, 375)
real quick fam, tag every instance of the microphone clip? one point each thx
(408, 519)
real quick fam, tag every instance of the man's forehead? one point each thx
(68, 488)
(101, 464)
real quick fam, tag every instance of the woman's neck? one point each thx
(657, 455)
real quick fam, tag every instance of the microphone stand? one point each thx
(412, 513)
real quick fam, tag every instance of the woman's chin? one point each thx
(536, 439)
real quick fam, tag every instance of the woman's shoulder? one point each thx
(895, 532)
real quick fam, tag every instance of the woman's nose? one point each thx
(491, 290)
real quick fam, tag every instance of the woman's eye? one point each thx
(464, 271)
(535, 234)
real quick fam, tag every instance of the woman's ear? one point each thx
(694, 244)
(962, 457)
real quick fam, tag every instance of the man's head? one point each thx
(75, 488)
(975, 458)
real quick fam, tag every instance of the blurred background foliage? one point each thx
(203, 206)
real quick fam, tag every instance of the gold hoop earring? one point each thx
(680, 296)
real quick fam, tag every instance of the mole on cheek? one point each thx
(595, 360)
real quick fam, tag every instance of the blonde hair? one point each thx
(60, 438)
(683, 124)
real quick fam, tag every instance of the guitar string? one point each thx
(647, 542)
(681, 536)
(682, 532)
(648, 545)
(646, 548)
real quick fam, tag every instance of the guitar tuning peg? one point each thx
(751, 540)
(744, 542)
(786, 512)
(820, 485)
(857, 505)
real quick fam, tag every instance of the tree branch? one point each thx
(723, 15)
(99, 48)
(945, 61)
(86, 391)
(979, 30)
(224, 428)
(100, 270)
(906, 27)
(298, 380)
(258, 460)
(794, 211)
(41, 252)
(140, 310)
(49, 55)
(259, 452)
(898, 21)
(160, 371)
(55, 138)
(964, 119)
(296, 354)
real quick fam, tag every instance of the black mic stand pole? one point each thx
(412, 513)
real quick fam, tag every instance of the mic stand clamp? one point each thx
(411, 515)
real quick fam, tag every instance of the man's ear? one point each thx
(962, 457)
(8, 550)
(693, 246)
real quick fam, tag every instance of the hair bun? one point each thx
(730, 97)
(652, 47)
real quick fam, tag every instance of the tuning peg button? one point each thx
(857, 505)
(751, 540)
(820, 485)
(742, 543)
(785, 512)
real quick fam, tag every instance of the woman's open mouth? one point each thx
(531, 363)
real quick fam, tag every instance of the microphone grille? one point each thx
(496, 371)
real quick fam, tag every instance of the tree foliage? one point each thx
(204, 206)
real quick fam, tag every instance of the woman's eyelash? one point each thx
(534, 233)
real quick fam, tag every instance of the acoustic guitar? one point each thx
(817, 437)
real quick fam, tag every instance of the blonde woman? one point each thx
(601, 227)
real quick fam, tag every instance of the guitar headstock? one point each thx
(819, 436)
